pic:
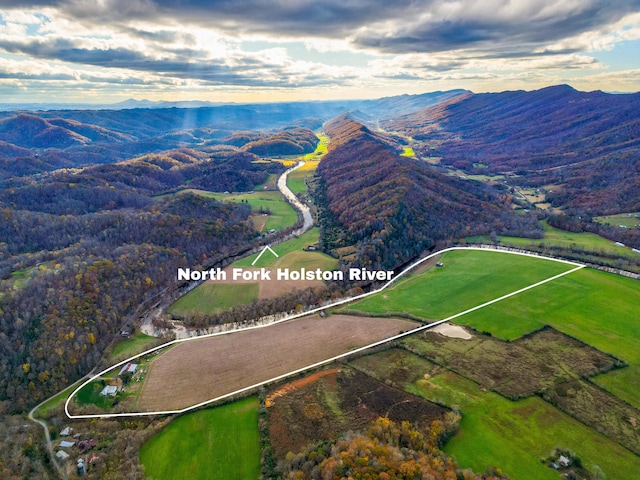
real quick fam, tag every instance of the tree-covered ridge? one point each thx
(587, 142)
(388, 451)
(81, 250)
(394, 207)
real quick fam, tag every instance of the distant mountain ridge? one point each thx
(586, 142)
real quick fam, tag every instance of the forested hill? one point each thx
(392, 207)
(587, 142)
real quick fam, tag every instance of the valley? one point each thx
(90, 253)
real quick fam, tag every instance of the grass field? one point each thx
(90, 395)
(214, 297)
(221, 443)
(296, 181)
(294, 245)
(468, 278)
(407, 152)
(561, 238)
(282, 214)
(137, 343)
(514, 436)
(628, 220)
(601, 309)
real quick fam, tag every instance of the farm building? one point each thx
(66, 431)
(110, 390)
(129, 367)
(66, 444)
(62, 455)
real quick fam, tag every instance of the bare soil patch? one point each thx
(452, 331)
(202, 369)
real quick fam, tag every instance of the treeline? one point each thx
(294, 301)
(393, 208)
(130, 184)
(386, 451)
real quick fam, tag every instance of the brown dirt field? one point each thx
(202, 369)
(269, 288)
(426, 265)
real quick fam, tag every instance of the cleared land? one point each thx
(213, 444)
(296, 181)
(597, 308)
(215, 297)
(514, 436)
(219, 295)
(138, 343)
(203, 369)
(467, 279)
(628, 220)
(561, 238)
(324, 405)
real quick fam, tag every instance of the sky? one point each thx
(105, 51)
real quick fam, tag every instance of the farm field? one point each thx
(516, 435)
(213, 444)
(296, 181)
(512, 435)
(202, 369)
(324, 405)
(628, 220)
(214, 297)
(467, 279)
(598, 308)
(219, 295)
(561, 238)
(281, 215)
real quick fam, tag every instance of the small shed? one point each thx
(564, 461)
(66, 444)
(66, 431)
(62, 455)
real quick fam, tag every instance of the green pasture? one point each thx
(215, 297)
(296, 180)
(515, 436)
(407, 152)
(282, 214)
(555, 237)
(219, 443)
(311, 237)
(137, 343)
(467, 279)
(628, 220)
(598, 308)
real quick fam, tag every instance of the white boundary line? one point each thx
(310, 312)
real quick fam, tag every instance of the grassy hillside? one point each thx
(219, 443)
(280, 213)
